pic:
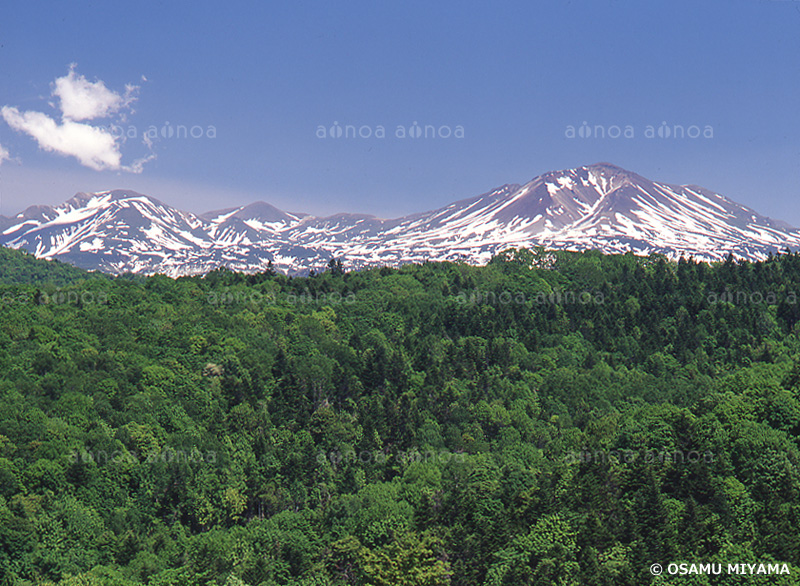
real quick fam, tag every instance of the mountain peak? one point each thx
(259, 212)
(606, 167)
(90, 199)
(600, 206)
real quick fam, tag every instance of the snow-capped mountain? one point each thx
(594, 207)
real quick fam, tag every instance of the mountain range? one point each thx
(598, 206)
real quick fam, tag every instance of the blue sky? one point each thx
(255, 81)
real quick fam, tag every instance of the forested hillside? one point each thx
(550, 418)
(20, 266)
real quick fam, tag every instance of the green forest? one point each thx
(550, 418)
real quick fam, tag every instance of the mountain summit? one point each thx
(599, 206)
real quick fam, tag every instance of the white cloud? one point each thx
(4, 155)
(93, 147)
(81, 99)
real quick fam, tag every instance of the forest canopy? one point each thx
(549, 418)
